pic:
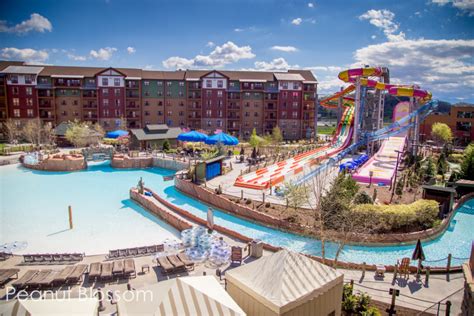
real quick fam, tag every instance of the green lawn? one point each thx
(326, 130)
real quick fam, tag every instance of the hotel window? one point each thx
(160, 103)
(208, 113)
(105, 92)
(147, 113)
(295, 114)
(75, 102)
(64, 113)
(295, 105)
(256, 95)
(106, 112)
(117, 113)
(76, 113)
(255, 124)
(462, 114)
(117, 82)
(16, 102)
(247, 94)
(219, 123)
(117, 102)
(16, 112)
(91, 81)
(181, 84)
(219, 93)
(117, 92)
(255, 114)
(15, 90)
(14, 78)
(285, 85)
(181, 93)
(168, 83)
(285, 94)
(170, 113)
(284, 105)
(159, 83)
(463, 126)
(168, 103)
(208, 84)
(147, 94)
(105, 81)
(256, 104)
(168, 93)
(209, 123)
(147, 103)
(220, 83)
(181, 113)
(296, 85)
(105, 102)
(160, 113)
(272, 85)
(247, 114)
(283, 114)
(219, 113)
(232, 84)
(63, 102)
(208, 93)
(146, 83)
(294, 125)
(295, 95)
(43, 80)
(160, 93)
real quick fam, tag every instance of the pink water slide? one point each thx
(382, 164)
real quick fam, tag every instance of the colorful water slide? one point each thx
(284, 170)
(382, 165)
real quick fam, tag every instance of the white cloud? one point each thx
(466, 6)
(310, 5)
(276, 64)
(287, 49)
(76, 57)
(238, 29)
(26, 54)
(103, 53)
(297, 21)
(36, 22)
(149, 67)
(221, 55)
(384, 20)
(210, 44)
(131, 50)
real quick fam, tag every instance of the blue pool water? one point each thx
(34, 208)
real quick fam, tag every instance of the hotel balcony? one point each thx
(45, 93)
(194, 86)
(90, 105)
(46, 115)
(309, 97)
(270, 117)
(193, 95)
(252, 86)
(233, 96)
(132, 85)
(309, 88)
(194, 117)
(271, 96)
(270, 107)
(133, 115)
(132, 95)
(67, 83)
(90, 117)
(132, 105)
(45, 103)
(89, 94)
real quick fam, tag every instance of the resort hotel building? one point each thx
(232, 101)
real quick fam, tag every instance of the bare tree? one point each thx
(12, 130)
(32, 131)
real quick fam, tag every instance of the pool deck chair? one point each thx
(106, 273)
(48, 281)
(187, 262)
(95, 269)
(77, 274)
(112, 254)
(236, 255)
(404, 268)
(21, 282)
(178, 264)
(118, 269)
(63, 275)
(165, 265)
(36, 280)
(129, 270)
(8, 274)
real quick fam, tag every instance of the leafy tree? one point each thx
(166, 145)
(255, 140)
(81, 134)
(467, 165)
(441, 133)
(399, 186)
(277, 136)
(430, 169)
(442, 164)
(296, 195)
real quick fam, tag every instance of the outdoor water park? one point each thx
(370, 199)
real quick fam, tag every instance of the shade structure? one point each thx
(186, 296)
(69, 306)
(192, 136)
(116, 134)
(418, 253)
(222, 138)
(286, 283)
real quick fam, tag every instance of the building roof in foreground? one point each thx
(243, 75)
(156, 132)
(22, 70)
(197, 295)
(284, 280)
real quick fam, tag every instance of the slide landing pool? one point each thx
(383, 163)
(285, 170)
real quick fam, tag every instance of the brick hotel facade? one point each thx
(234, 101)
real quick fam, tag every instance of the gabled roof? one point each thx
(306, 74)
(284, 280)
(152, 74)
(156, 132)
(288, 76)
(110, 69)
(22, 70)
(214, 71)
(248, 75)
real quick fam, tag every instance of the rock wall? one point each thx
(126, 162)
(170, 164)
(60, 163)
(151, 206)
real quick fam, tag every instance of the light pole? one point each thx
(394, 183)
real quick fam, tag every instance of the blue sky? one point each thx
(427, 42)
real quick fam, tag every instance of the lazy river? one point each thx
(34, 210)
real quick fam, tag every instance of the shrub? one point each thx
(363, 198)
(166, 145)
(421, 214)
(455, 158)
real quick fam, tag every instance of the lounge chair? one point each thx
(77, 274)
(48, 281)
(66, 257)
(123, 253)
(113, 254)
(7, 274)
(47, 258)
(63, 275)
(118, 268)
(404, 268)
(21, 282)
(5, 255)
(236, 255)
(160, 248)
(77, 256)
(185, 259)
(35, 281)
(57, 257)
(141, 251)
(38, 258)
(178, 264)
(165, 265)
(28, 259)
(151, 249)
(129, 269)
(132, 252)
(94, 271)
(106, 271)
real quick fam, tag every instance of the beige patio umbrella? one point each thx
(50, 307)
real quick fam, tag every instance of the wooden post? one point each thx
(448, 308)
(395, 271)
(391, 310)
(241, 194)
(352, 286)
(263, 197)
(71, 226)
(427, 275)
(448, 267)
(363, 270)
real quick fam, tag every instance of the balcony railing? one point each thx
(132, 85)
(91, 94)
(233, 96)
(132, 95)
(90, 105)
(194, 96)
(45, 94)
(132, 105)
(45, 104)
(90, 116)
(194, 116)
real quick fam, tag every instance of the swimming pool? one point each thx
(34, 208)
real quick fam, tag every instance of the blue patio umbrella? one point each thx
(192, 136)
(223, 138)
(116, 134)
